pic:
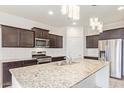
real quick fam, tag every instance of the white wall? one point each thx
(13, 53)
(75, 42)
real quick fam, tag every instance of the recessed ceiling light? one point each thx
(121, 8)
(74, 23)
(50, 12)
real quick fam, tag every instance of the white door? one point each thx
(75, 47)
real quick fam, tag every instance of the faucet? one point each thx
(69, 60)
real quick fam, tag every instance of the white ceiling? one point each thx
(106, 13)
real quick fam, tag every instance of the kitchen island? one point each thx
(80, 74)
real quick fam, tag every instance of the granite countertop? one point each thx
(53, 76)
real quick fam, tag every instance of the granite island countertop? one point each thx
(53, 76)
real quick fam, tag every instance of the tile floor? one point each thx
(115, 83)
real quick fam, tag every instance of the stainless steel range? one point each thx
(41, 57)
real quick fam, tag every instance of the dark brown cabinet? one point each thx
(26, 38)
(92, 41)
(59, 58)
(112, 34)
(52, 41)
(17, 37)
(7, 77)
(10, 36)
(89, 57)
(29, 62)
(41, 33)
(55, 41)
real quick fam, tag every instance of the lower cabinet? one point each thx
(89, 57)
(7, 77)
(60, 58)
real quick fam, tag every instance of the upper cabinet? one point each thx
(112, 34)
(55, 41)
(17, 37)
(26, 38)
(92, 41)
(10, 36)
(41, 33)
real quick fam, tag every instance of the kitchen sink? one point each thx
(61, 63)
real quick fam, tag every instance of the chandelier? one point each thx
(96, 24)
(72, 11)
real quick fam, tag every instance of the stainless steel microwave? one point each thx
(41, 43)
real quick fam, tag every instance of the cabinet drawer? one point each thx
(29, 62)
(58, 58)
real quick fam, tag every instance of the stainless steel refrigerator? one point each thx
(112, 51)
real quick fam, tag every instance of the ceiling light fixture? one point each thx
(96, 24)
(50, 12)
(72, 11)
(121, 8)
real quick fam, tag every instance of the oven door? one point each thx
(41, 43)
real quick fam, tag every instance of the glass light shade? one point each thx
(72, 11)
(64, 9)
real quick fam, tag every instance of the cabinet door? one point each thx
(37, 31)
(95, 41)
(7, 77)
(54, 59)
(10, 37)
(59, 41)
(38, 34)
(52, 41)
(55, 41)
(92, 41)
(89, 42)
(45, 34)
(29, 62)
(26, 38)
(41, 33)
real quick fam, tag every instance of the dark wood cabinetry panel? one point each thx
(55, 41)
(92, 41)
(10, 36)
(7, 77)
(89, 42)
(16, 37)
(45, 34)
(29, 62)
(59, 41)
(112, 34)
(26, 38)
(52, 41)
(60, 58)
(41, 33)
(89, 57)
